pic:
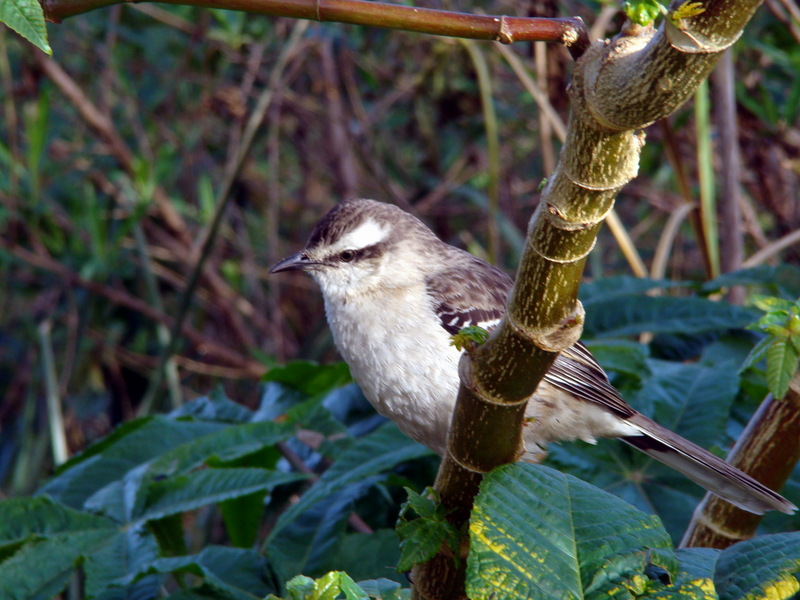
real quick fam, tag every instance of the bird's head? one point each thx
(363, 245)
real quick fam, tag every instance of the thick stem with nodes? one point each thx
(618, 87)
(768, 446)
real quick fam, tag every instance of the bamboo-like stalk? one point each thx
(769, 446)
(617, 88)
(570, 32)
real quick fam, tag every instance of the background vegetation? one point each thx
(112, 155)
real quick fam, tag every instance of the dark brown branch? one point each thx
(769, 448)
(571, 32)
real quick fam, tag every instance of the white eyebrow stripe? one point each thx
(369, 233)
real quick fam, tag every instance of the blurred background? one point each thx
(113, 152)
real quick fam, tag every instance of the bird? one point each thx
(395, 294)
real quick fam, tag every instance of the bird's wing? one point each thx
(474, 293)
(577, 372)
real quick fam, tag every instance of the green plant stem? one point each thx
(58, 439)
(492, 145)
(568, 31)
(705, 173)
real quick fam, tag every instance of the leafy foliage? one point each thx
(340, 585)
(26, 18)
(422, 536)
(781, 347)
(111, 510)
(643, 12)
(121, 511)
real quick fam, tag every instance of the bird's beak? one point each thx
(295, 262)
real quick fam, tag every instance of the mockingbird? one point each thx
(394, 294)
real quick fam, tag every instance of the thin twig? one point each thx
(774, 248)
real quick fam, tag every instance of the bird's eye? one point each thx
(347, 255)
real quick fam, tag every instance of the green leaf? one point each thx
(215, 407)
(309, 377)
(772, 304)
(127, 451)
(782, 280)
(383, 449)
(642, 12)
(21, 518)
(230, 443)
(337, 584)
(632, 315)
(42, 567)
(423, 536)
(782, 358)
(208, 486)
(757, 354)
(622, 356)
(27, 19)
(571, 540)
(330, 586)
(307, 544)
(766, 567)
(228, 573)
(131, 550)
(366, 555)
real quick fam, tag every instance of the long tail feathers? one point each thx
(704, 468)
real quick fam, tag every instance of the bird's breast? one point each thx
(402, 358)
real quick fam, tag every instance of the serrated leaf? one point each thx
(129, 551)
(208, 486)
(422, 536)
(632, 315)
(306, 544)
(229, 573)
(782, 280)
(21, 518)
(782, 358)
(41, 568)
(772, 304)
(757, 354)
(538, 533)
(127, 452)
(27, 19)
(375, 453)
(762, 568)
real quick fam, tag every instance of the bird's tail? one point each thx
(705, 469)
